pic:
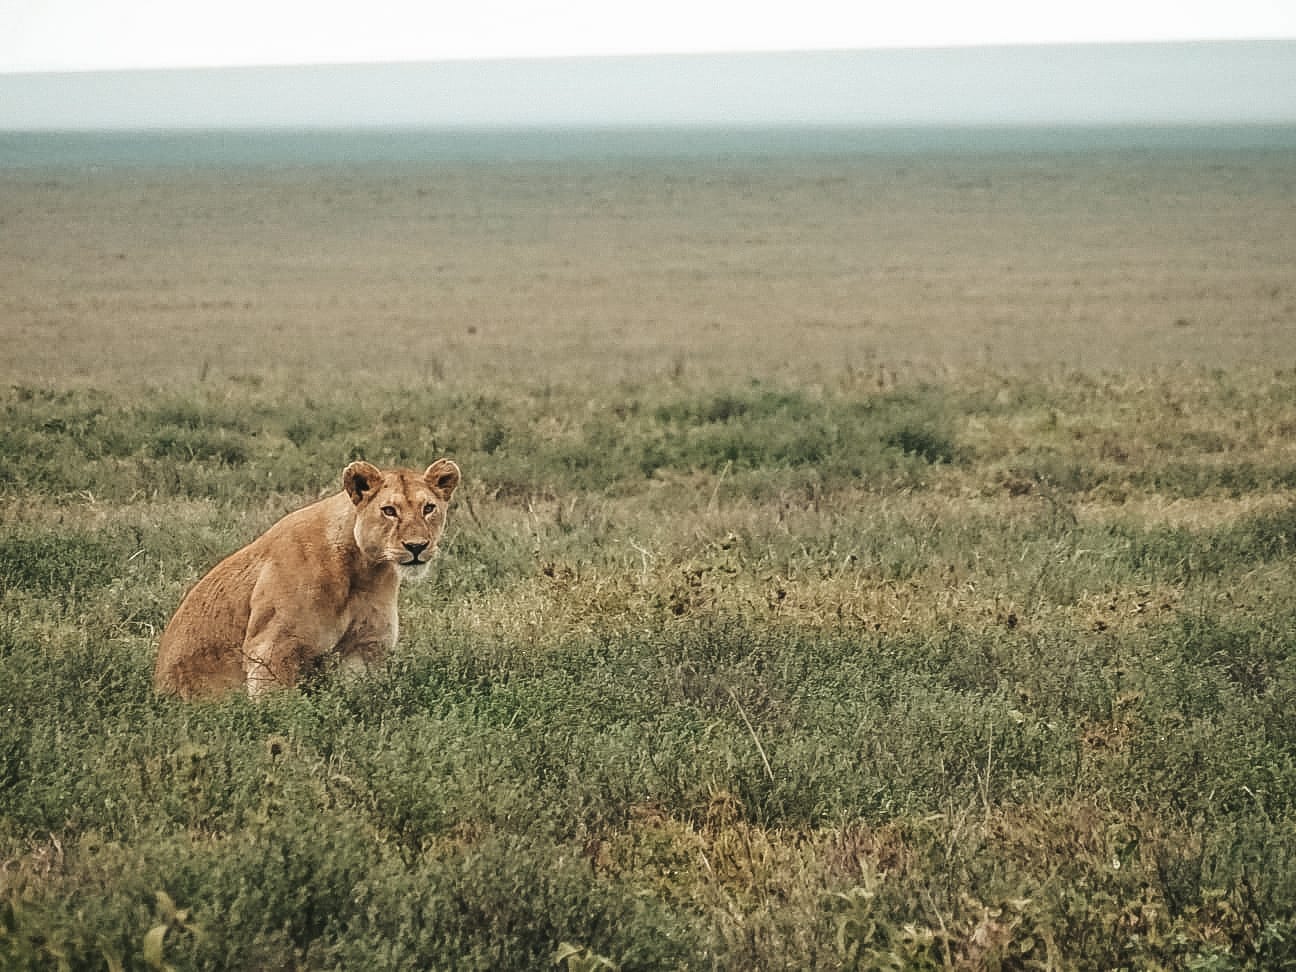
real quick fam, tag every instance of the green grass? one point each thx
(992, 673)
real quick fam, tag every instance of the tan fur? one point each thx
(320, 582)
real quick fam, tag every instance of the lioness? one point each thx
(322, 581)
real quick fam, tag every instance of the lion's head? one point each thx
(400, 513)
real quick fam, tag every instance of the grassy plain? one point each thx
(864, 563)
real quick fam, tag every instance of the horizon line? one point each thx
(643, 56)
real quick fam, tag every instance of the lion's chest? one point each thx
(372, 626)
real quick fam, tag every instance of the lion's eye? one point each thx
(389, 511)
(429, 509)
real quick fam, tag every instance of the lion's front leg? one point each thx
(368, 638)
(360, 660)
(274, 662)
(280, 645)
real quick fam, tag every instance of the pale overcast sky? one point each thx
(79, 35)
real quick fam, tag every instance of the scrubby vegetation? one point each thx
(992, 672)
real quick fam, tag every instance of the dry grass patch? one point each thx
(1200, 514)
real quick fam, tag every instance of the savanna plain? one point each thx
(862, 562)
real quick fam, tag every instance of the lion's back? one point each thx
(200, 649)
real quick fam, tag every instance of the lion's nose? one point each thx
(416, 548)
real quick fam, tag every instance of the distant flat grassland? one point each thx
(866, 563)
(623, 270)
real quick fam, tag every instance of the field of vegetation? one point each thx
(997, 674)
(846, 666)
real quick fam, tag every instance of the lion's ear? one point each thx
(443, 476)
(360, 479)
